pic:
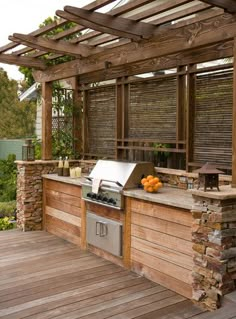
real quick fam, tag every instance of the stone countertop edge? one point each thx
(226, 192)
(65, 179)
(166, 196)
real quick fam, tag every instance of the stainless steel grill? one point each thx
(108, 179)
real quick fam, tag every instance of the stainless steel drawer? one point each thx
(104, 233)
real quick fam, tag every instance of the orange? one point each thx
(156, 179)
(159, 185)
(149, 177)
(155, 188)
(143, 181)
(146, 184)
(150, 189)
(152, 182)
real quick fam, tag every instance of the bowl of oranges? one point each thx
(151, 184)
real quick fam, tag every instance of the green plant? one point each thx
(7, 208)
(159, 152)
(8, 179)
(5, 223)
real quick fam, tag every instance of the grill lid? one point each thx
(123, 174)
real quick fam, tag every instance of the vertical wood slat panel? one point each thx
(101, 121)
(213, 118)
(152, 109)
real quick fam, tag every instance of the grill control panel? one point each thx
(105, 197)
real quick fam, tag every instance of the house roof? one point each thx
(30, 94)
(126, 27)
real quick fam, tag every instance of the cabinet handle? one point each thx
(101, 229)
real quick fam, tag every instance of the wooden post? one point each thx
(77, 117)
(180, 113)
(234, 121)
(46, 120)
(85, 133)
(190, 115)
(83, 242)
(119, 126)
(127, 234)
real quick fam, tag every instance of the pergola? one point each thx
(136, 37)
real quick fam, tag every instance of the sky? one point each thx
(25, 16)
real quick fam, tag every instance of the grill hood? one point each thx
(122, 174)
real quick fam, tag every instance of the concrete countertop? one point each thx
(65, 179)
(166, 195)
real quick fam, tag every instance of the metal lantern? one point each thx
(28, 150)
(208, 176)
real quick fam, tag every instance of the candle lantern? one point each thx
(208, 176)
(28, 151)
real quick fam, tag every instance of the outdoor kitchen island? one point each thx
(156, 228)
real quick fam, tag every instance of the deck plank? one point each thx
(45, 277)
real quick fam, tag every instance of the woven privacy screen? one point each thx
(101, 119)
(152, 110)
(213, 119)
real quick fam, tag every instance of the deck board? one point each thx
(45, 277)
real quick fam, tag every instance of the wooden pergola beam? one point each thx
(170, 42)
(92, 25)
(227, 5)
(61, 47)
(23, 61)
(213, 52)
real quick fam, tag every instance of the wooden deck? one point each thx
(43, 276)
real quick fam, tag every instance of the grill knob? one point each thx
(89, 194)
(105, 199)
(111, 201)
(94, 196)
(99, 197)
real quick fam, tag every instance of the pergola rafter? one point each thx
(61, 47)
(228, 5)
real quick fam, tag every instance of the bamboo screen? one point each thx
(213, 119)
(152, 110)
(101, 121)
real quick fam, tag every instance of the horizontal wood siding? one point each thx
(101, 121)
(62, 210)
(161, 247)
(213, 119)
(152, 109)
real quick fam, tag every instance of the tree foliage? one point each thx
(17, 118)
(8, 179)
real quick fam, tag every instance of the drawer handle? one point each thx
(101, 229)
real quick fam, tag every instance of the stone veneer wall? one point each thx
(184, 180)
(214, 247)
(30, 193)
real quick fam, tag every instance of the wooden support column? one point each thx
(47, 121)
(77, 117)
(85, 123)
(234, 121)
(190, 115)
(180, 114)
(122, 104)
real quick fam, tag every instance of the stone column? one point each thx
(29, 196)
(214, 246)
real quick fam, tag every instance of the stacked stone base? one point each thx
(214, 250)
(30, 190)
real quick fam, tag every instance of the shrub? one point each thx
(7, 209)
(5, 223)
(8, 179)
